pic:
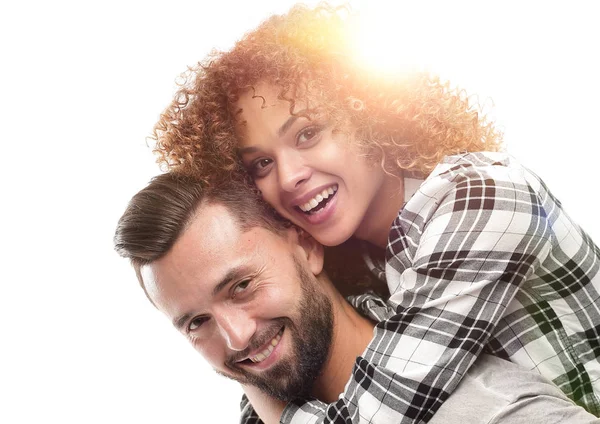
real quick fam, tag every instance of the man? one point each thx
(249, 292)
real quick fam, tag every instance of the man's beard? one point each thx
(311, 336)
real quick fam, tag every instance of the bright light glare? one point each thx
(383, 45)
(445, 38)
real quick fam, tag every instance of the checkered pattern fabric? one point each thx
(248, 416)
(481, 258)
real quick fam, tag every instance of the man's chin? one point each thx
(310, 336)
(281, 382)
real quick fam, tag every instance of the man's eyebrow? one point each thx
(179, 322)
(232, 274)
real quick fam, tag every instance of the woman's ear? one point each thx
(312, 250)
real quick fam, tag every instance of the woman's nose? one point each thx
(292, 172)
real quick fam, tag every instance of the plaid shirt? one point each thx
(481, 258)
(371, 306)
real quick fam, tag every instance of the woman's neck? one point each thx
(383, 210)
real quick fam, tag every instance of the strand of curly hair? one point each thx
(407, 122)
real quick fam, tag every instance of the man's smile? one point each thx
(268, 350)
(263, 356)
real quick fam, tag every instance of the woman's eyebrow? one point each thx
(247, 150)
(286, 125)
(280, 133)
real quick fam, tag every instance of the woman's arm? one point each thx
(268, 409)
(454, 266)
(248, 414)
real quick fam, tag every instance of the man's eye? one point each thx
(308, 133)
(240, 287)
(196, 323)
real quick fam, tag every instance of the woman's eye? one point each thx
(196, 323)
(241, 287)
(260, 167)
(308, 133)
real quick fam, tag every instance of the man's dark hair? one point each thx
(157, 215)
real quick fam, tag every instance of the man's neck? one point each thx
(351, 335)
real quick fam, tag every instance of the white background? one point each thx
(81, 86)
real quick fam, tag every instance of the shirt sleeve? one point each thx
(248, 414)
(454, 263)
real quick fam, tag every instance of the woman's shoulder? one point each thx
(459, 167)
(499, 166)
(469, 171)
(479, 160)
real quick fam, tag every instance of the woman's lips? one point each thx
(312, 205)
(316, 215)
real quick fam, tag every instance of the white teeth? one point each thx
(267, 352)
(312, 203)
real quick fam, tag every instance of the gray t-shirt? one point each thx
(497, 391)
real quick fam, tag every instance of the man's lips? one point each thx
(258, 355)
(265, 353)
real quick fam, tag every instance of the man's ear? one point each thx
(312, 250)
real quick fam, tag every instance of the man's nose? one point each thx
(237, 329)
(292, 172)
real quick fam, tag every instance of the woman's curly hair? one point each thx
(408, 122)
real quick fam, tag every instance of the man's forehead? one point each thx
(212, 239)
(219, 229)
(212, 245)
(213, 227)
